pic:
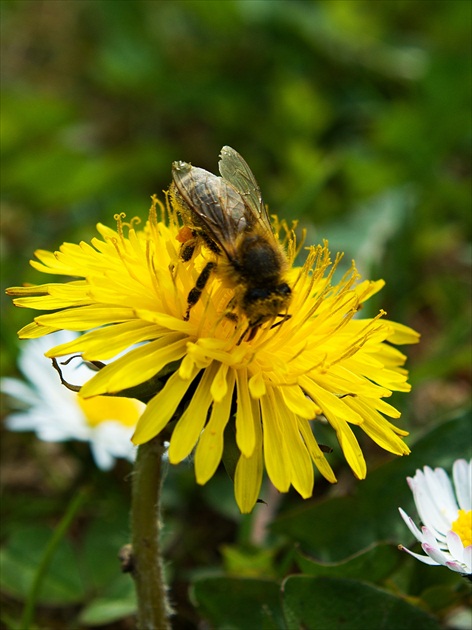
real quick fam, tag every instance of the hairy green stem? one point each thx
(153, 608)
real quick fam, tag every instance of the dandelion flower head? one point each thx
(129, 299)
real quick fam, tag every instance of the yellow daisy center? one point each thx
(105, 408)
(462, 526)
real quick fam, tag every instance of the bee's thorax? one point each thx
(258, 261)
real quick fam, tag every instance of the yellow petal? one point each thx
(248, 475)
(275, 455)
(137, 366)
(245, 431)
(336, 411)
(34, 330)
(210, 445)
(316, 453)
(85, 317)
(106, 343)
(257, 385)
(192, 421)
(220, 385)
(402, 334)
(294, 398)
(161, 408)
(302, 475)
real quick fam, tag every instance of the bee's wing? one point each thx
(235, 170)
(214, 205)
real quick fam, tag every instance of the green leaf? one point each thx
(374, 564)
(366, 232)
(118, 600)
(239, 604)
(102, 611)
(348, 605)
(248, 562)
(103, 540)
(340, 527)
(19, 561)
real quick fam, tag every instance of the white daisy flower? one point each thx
(43, 405)
(446, 514)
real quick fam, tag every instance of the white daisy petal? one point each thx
(117, 439)
(102, 455)
(444, 493)
(436, 554)
(454, 566)
(455, 546)
(435, 499)
(442, 506)
(468, 559)
(411, 525)
(462, 475)
(424, 559)
(19, 392)
(430, 539)
(56, 414)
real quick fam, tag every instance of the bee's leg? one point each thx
(249, 329)
(196, 292)
(229, 310)
(254, 327)
(188, 240)
(187, 250)
(284, 317)
(210, 243)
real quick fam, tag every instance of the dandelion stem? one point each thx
(153, 609)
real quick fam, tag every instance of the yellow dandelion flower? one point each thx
(322, 359)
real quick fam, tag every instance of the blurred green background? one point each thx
(354, 116)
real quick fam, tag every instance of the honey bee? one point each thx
(228, 217)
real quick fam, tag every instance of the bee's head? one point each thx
(263, 303)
